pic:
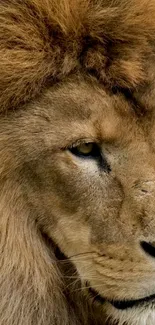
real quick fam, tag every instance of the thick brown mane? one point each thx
(63, 65)
(43, 41)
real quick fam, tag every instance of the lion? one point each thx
(77, 167)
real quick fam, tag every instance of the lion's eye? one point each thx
(89, 150)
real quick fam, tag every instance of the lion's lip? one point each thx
(132, 303)
(123, 304)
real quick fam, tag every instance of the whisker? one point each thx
(72, 284)
(76, 257)
(86, 287)
(81, 254)
(79, 289)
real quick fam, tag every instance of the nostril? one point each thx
(149, 248)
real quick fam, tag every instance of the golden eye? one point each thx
(90, 150)
(86, 150)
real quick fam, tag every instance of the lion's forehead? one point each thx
(75, 110)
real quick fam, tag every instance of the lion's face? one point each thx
(88, 168)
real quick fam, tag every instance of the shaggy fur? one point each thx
(43, 41)
(76, 71)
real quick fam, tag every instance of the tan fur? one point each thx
(76, 71)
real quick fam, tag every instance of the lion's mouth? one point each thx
(122, 304)
(119, 304)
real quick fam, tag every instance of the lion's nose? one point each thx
(148, 248)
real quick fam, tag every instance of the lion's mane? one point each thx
(41, 42)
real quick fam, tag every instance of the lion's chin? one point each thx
(123, 304)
